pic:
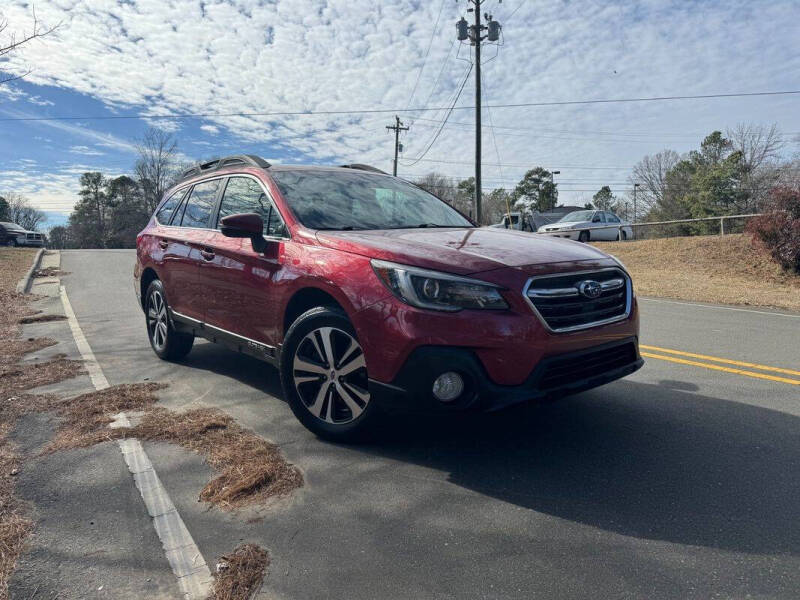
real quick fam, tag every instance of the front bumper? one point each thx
(554, 376)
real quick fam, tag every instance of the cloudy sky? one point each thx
(145, 58)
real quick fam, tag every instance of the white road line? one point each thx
(747, 310)
(188, 564)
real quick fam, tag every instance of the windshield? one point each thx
(327, 199)
(578, 215)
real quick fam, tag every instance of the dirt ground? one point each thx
(720, 269)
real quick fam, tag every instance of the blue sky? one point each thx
(153, 57)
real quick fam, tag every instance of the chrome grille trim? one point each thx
(624, 281)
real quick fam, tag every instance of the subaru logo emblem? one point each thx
(590, 289)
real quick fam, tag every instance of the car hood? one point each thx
(568, 224)
(459, 250)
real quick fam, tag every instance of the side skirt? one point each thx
(231, 340)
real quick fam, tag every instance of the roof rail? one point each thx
(239, 159)
(361, 167)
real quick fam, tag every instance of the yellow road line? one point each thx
(725, 369)
(726, 361)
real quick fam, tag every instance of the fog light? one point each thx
(448, 386)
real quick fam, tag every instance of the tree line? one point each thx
(112, 210)
(730, 173)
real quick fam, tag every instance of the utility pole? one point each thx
(635, 185)
(474, 34)
(397, 128)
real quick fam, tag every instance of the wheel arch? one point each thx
(147, 277)
(305, 299)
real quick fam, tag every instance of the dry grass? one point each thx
(721, 269)
(14, 264)
(40, 318)
(14, 525)
(240, 574)
(252, 470)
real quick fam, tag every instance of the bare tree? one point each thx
(157, 167)
(761, 149)
(22, 213)
(10, 42)
(651, 175)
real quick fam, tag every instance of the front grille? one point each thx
(565, 302)
(33, 236)
(558, 372)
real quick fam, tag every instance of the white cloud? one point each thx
(189, 56)
(40, 101)
(85, 150)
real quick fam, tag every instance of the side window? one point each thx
(200, 204)
(598, 218)
(164, 213)
(611, 218)
(244, 195)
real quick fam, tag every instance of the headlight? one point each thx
(437, 291)
(619, 262)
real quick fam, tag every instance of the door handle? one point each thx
(207, 253)
(163, 244)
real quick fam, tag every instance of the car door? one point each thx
(240, 282)
(189, 233)
(614, 226)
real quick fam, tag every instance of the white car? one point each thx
(589, 225)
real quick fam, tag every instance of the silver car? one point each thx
(589, 225)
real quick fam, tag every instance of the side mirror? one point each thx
(245, 225)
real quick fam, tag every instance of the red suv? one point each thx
(372, 296)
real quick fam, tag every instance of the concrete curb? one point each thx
(24, 286)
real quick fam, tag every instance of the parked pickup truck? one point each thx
(12, 234)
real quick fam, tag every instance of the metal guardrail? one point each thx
(633, 227)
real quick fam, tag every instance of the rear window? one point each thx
(200, 204)
(164, 213)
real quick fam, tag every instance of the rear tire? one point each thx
(622, 236)
(583, 236)
(166, 341)
(12, 242)
(324, 377)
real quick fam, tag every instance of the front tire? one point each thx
(166, 341)
(583, 236)
(622, 236)
(324, 377)
(12, 242)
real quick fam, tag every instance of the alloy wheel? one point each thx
(157, 324)
(330, 375)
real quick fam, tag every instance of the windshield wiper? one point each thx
(345, 228)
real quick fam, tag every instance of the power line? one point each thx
(425, 60)
(444, 121)
(301, 113)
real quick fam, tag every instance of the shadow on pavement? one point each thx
(650, 461)
(632, 458)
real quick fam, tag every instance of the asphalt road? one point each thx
(681, 481)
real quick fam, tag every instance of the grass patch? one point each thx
(720, 269)
(14, 525)
(240, 574)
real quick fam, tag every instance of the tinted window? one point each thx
(200, 204)
(244, 195)
(612, 218)
(164, 213)
(333, 199)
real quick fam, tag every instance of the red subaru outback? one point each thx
(372, 296)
